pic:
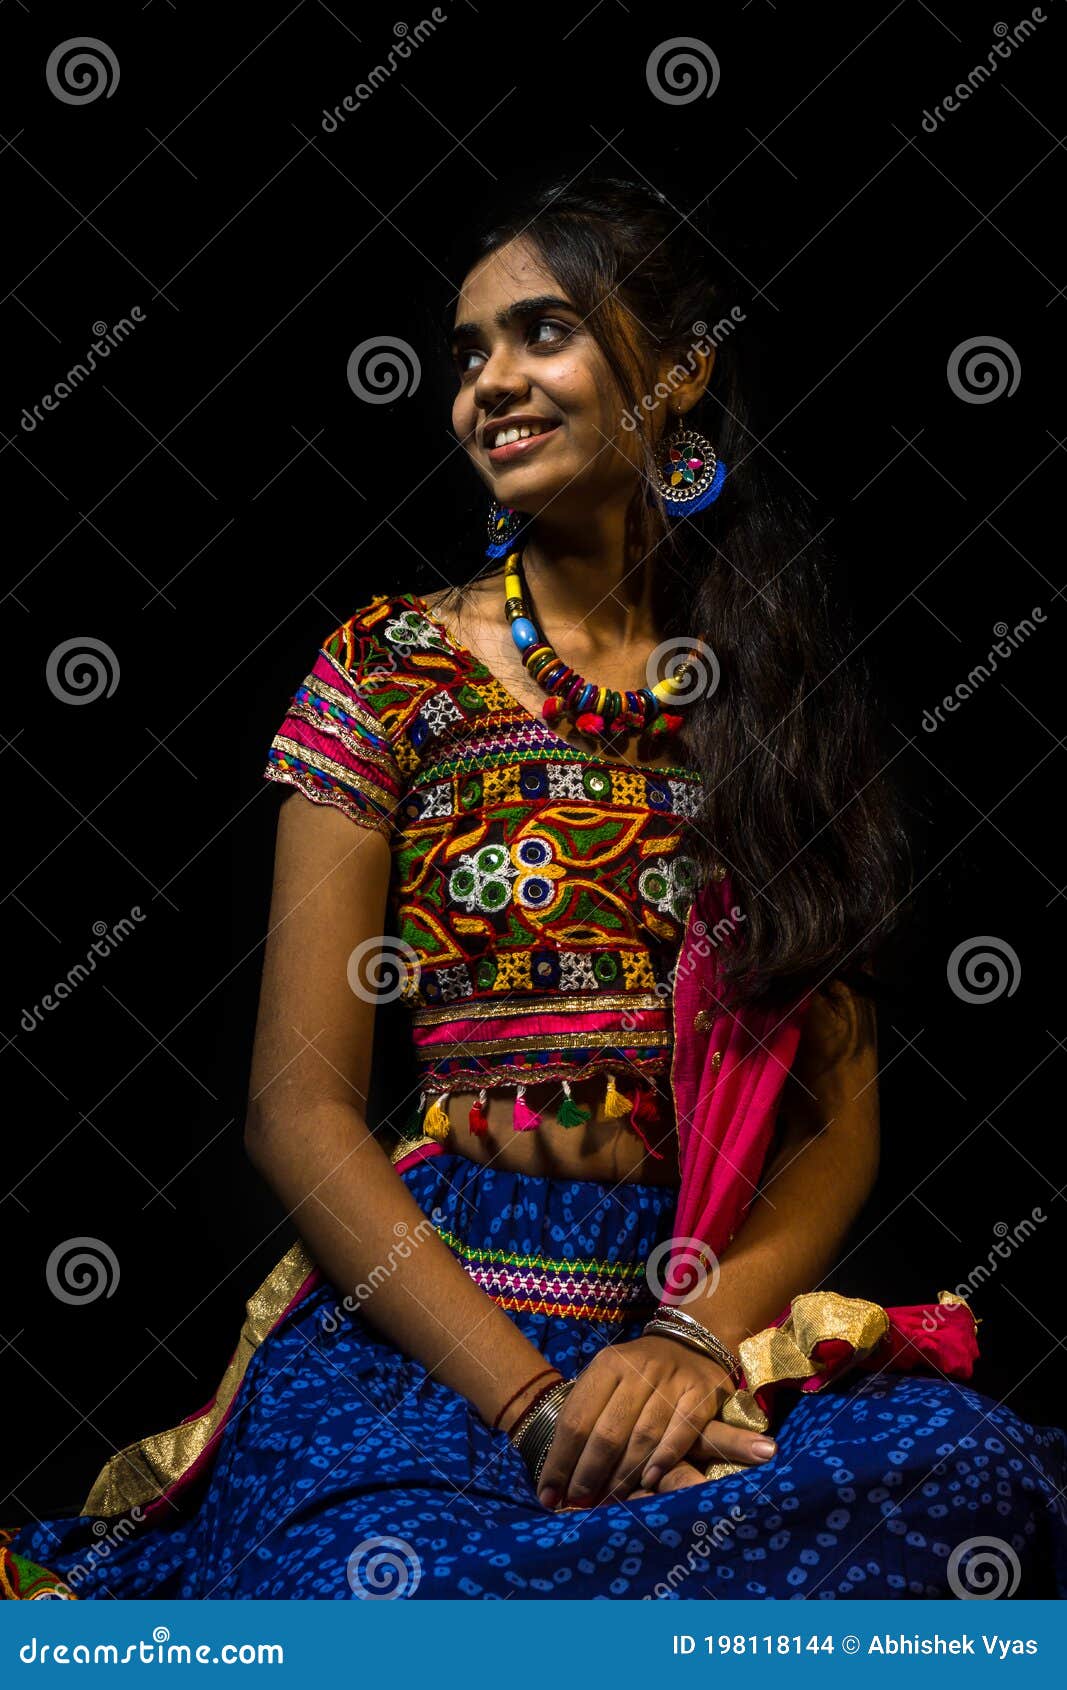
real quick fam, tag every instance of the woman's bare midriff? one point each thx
(604, 1148)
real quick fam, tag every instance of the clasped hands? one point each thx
(642, 1418)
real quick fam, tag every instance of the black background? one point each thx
(215, 499)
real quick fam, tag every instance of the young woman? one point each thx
(481, 1374)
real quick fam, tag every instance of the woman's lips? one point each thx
(519, 448)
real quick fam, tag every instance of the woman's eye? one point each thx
(464, 367)
(557, 332)
(546, 332)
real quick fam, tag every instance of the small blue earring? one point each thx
(691, 474)
(504, 527)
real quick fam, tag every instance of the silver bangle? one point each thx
(671, 1322)
(533, 1435)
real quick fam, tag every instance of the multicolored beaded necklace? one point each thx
(597, 711)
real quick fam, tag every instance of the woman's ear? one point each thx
(687, 379)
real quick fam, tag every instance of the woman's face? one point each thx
(528, 367)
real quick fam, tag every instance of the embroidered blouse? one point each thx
(540, 891)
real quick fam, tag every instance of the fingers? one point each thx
(680, 1478)
(581, 1412)
(719, 1442)
(592, 1478)
(682, 1427)
(648, 1431)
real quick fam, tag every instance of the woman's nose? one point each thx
(501, 377)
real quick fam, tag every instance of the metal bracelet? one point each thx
(533, 1435)
(669, 1322)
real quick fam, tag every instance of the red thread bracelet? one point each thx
(545, 1371)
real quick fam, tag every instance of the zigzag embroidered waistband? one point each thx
(598, 1291)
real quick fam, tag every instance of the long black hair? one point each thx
(796, 802)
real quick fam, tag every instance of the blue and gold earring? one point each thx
(504, 528)
(691, 474)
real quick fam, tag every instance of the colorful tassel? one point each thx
(647, 1106)
(436, 1123)
(552, 709)
(523, 1118)
(479, 1121)
(590, 723)
(570, 1113)
(615, 1101)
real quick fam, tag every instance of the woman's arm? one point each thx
(306, 1130)
(635, 1411)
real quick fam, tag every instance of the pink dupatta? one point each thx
(728, 1069)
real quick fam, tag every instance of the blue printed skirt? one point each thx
(345, 1471)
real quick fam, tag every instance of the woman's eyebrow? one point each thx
(511, 313)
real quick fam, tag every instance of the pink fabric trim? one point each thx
(419, 1154)
(726, 1116)
(462, 1031)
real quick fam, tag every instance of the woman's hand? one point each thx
(634, 1413)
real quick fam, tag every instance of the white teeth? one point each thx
(505, 436)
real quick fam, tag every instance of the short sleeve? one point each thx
(333, 746)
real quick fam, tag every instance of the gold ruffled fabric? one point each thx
(781, 1354)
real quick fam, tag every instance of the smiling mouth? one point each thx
(507, 442)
